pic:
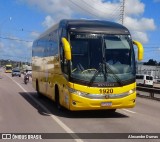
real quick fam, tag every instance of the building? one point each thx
(147, 69)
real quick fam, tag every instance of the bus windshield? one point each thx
(102, 58)
(8, 67)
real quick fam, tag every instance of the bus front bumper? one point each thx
(82, 103)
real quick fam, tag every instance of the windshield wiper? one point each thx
(96, 73)
(107, 68)
(115, 76)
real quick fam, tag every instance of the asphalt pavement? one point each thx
(21, 111)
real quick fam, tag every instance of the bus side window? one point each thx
(62, 58)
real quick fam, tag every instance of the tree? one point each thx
(151, 62)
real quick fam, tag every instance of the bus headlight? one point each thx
(131, 91)
(77, 92)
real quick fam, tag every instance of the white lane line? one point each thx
(65, 127)
(128, 110)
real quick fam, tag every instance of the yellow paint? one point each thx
(140, 50)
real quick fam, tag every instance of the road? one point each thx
(21, 111)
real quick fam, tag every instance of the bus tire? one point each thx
(57, 100)
(37, 89)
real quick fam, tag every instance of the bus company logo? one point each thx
(105, 84)
(6, 137)
(107, 96)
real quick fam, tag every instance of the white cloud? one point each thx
(139, 28)
(28, 44)
(48, 21)
(134, 7)
(1, 45)
(98, 9)
(55, 8)
(140, 36)
(15, 49)
(156, 0)
(34, 34)
(70, 8)
(51, 6)
(143, 24)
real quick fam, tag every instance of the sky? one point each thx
(22, 21)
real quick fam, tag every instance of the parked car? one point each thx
(145, 80)
(16, 72)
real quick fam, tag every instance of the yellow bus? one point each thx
(70, 65)
(8, 68)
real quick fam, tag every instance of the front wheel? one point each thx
(57, 98)
(25, 81)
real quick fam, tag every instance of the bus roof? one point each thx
(8, 65)
(95, 26)
(90, 26)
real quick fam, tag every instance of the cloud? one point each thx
(48, 21)
(1, 45)
(15, 49)
(134, 7)
(58, 9)
(34, 34)
(141, 36)
(98, 9)
(156, 0)
(143, 24)
(139, 27)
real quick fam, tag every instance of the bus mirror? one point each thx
(67, 48)
(140, 50)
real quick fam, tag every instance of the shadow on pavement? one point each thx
(50, 105)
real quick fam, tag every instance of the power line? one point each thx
(22, 40)
(102, 5)
(24, 30)
(90, 7)
(83, 8)
(115, 10)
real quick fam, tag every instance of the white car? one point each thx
(145, 80)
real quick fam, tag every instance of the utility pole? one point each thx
(121, 19)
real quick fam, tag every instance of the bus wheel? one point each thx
(57, 100)
(37, 89)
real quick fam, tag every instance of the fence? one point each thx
(152, 93)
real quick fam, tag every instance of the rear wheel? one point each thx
(57, 98)
(37, 89)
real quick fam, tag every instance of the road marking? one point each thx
(129, 111)
(55, 118)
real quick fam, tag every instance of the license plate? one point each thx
(106, 104)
